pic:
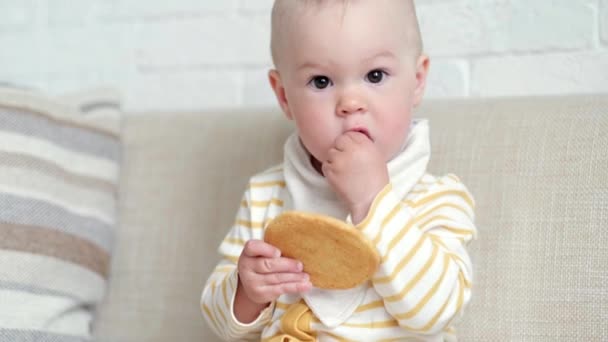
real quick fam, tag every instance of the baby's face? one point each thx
(350, 68)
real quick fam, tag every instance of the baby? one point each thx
(349, 73)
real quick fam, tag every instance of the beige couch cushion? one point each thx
(181, 188)
(537, 168)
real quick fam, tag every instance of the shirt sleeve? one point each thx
(425, 273)
(217, 300)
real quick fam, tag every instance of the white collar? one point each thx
(309, 191)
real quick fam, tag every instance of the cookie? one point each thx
(335, 255)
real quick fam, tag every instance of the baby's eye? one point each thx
(320, 82)
(375, 76)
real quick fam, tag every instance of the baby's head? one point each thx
(348, 65)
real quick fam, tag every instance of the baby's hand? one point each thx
(356, 171)
(264, 275)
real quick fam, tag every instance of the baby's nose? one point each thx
(349, 105)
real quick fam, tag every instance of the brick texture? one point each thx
(194, 55)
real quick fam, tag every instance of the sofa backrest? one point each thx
(537, 168)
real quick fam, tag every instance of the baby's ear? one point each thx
(422, 71)
(279, 91)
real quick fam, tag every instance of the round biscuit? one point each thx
(335, 255)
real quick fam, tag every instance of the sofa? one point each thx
(537, 167)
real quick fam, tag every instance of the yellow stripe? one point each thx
(262, 204)
(442, 226)
(395, 240)
(437, 240)
(447, 205)
(386, 220)
(455, 230)
(249, 224)
(429, 295)
(434, 196)
(433, 320)
(461, 281)
(431, 210)
(362, 225)
(225, 295)
(370, 306)
(223, 317)
(398, 237)
(265, 204)
(213, 287)
(416, 279)
(402, 233)
(234, 259)
(267, 184)
(211, 317)
(401, 265)
(225, 268)
(372, 325)
(235, 241)
(467, 284)
(453, 206)
(281, 305)
(418, 191)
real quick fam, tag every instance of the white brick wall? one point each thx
(197, 54)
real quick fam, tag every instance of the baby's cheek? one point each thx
(396, 137)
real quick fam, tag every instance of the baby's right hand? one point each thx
(265, 275)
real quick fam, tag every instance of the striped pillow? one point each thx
(59, 168)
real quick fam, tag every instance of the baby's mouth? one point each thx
(362, 131)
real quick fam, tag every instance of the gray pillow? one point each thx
(59, 166)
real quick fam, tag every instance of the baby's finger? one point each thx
(259, 248)
(342, 142)
(286, 277)
(325, 167)
(332, 154)
(277, 290)
(277, 265)
(291, 288)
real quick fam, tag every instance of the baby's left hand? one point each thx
(356, 171)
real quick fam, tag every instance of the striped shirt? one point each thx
(420, 288)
